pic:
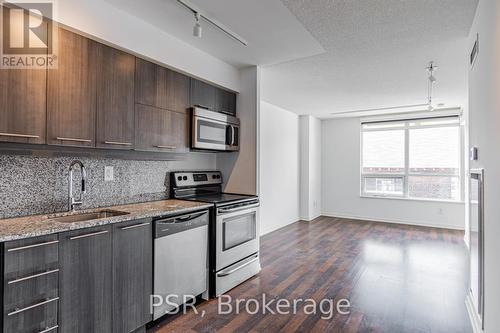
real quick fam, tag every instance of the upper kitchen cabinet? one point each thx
(203, 95)
(22, 105)
(161, 87)
(212, 98)
(115, 98)
(226, 102)
(71, 92)
(161, 130)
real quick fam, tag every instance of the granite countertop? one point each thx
(39, 225)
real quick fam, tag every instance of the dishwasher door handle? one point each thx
(182, 219)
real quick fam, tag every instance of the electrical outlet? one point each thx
(109, 174)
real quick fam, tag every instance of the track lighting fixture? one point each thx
(432, 80)
(200, 14)
(197, 30)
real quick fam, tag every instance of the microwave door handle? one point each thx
(233, 131)
(229, 142)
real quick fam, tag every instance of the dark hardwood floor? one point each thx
(397, 278)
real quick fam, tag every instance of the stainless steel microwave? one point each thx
(214, 131)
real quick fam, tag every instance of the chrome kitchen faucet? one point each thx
(71, 199)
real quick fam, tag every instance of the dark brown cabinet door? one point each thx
(22, 105)
(160, 130)
(115, 98)
(132, 274)
(226, 102)
(71, 92)
(161, 87)
(85, 258)
(203, 95)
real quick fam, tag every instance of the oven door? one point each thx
(214, 135)
(237, 234)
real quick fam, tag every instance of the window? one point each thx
(416, 159)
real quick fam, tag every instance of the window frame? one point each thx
(406, 174)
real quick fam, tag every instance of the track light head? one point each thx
(197, 29)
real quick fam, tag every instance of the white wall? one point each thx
(484, 132)
(310, 167)
(240, 169)
(341, 185)
(279, 167)
(106, 23)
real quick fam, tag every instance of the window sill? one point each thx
(411, 199)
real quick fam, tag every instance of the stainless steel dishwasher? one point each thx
(180, 259)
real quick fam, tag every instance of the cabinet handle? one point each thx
(48, 329)
(33, 276)
(32, 306)
(14, 249)
(27, 136)
(136, 226)
(73, 139)
(166, 147)
(116, 143)
(89, 235)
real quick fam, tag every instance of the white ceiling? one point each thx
(376, 54)
(273, 33)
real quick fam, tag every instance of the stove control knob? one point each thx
(179, 178)
(218, 176)
(185, 178)
(214, 176)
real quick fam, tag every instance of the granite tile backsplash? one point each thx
(39, 185)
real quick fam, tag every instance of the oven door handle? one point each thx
(237, 268)
(237, 209)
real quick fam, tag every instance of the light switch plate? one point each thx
(109, 174)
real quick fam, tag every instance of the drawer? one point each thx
(23, 291)
(30, 256)
(40, 316)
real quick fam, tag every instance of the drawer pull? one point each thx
(33, 276)
(166, 147)
(27, 136)
(89, 235)
(116, 143)
(73, 139)
(136, 226)
(48, 329)
(16, 311)
(14, 249)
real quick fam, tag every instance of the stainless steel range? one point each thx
(233, 228)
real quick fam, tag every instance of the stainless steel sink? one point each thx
(102, 214)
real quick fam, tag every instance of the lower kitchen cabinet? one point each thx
(132, 274)
(30, 270)
(86, 280)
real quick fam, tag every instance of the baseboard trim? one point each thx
(473, 316)
(394, 221)
(278, 227)
(309, 219)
